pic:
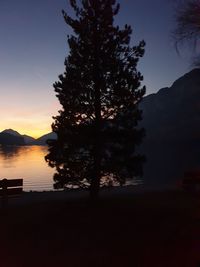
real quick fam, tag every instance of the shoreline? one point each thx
(36, 197)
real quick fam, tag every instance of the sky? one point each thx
(33, 47)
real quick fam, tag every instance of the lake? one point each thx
(27, 162)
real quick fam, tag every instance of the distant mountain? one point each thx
(11, 131)
(171, 118)
(42, 140)
(27, 139)
(9, 139)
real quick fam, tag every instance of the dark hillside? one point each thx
(9, 139)
(171, 118)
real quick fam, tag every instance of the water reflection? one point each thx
(26, 162)
(9, 151)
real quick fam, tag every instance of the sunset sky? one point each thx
(33, 47)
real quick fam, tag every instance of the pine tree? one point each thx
(99, 93)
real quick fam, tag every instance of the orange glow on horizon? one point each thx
(37, 133)
(28, 115)
(30, 131)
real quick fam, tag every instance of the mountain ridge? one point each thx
(171, 118)
(27, 139)
(9, 139)
(6, 137)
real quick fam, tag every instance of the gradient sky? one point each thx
(33, 47)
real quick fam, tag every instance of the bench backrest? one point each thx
(11, 187)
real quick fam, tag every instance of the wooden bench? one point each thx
(191, 181)
(10, 188)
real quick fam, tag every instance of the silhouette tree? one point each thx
(188, 24)
(99, 93)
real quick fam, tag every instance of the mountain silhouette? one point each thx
(27, 139)
(11, 131)
(9, 139)
(43, 139)
(171, 118)
(12, 137)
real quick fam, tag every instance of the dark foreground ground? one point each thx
(149, 229)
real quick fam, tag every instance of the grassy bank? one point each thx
(151, 229)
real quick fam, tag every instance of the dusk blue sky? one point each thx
(34, 44)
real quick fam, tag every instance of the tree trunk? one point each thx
(95, 183)
(94, 187)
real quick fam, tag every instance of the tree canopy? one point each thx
(99, 92)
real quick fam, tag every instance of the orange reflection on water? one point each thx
(27, 162)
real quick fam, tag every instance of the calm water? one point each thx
(27, 162)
